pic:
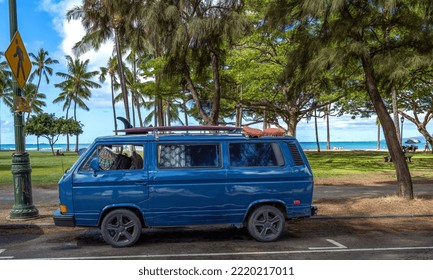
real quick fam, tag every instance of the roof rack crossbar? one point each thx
(156, 130)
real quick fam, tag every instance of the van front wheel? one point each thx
(266, 223)
(121, 228)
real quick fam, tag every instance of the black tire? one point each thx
(266, 223)
(121, 228)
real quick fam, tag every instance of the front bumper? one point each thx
(63, 220)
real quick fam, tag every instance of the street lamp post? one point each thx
(23, 207)
(401, 130)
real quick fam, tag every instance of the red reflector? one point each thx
(296, 202)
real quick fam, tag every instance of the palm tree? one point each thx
(106, 20)
(76, 86)
(66, 97)
(195, 37)
(114, 85)
(35, 101)
(34, 98)
(5, 87)
(6, 83)
(42, 63)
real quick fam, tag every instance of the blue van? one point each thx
(152, 177)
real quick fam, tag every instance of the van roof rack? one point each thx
(146, 130)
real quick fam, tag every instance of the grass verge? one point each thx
(46, 168)
(365, 168)
(336, 168)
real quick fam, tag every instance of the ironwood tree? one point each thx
(379, 36)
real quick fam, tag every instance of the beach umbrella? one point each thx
(412, 141)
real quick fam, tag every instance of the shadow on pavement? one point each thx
(19, 233)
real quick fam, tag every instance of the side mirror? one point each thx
(94, 164)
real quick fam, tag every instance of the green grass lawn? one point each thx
(48, 169)
(368, 163)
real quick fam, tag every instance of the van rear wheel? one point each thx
(266, 223)
(121, 228)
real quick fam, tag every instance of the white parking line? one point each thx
(339, 246)
(230, 254)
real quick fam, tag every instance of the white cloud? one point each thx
(72, 32)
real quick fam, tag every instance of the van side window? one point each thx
(116, 157)
(188, 156)
(255, 154)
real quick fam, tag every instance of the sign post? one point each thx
(19, 62)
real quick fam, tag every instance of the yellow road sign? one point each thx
(18, 60)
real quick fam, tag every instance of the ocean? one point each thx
(42, 147)
(360, 145)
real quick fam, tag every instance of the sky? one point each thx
(43, 24)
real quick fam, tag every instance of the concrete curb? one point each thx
(370, 217)
(19, 226)
(320, 218)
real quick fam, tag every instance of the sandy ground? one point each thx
(382, 205)
(46, 200)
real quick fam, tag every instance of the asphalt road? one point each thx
(317, 238)
(303, 240)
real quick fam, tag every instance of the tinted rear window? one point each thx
(255, 154)
(188, 156)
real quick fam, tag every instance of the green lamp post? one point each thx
(23, 207)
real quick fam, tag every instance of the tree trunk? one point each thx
(155, 112)
(140, 118)
(168, 122)
(160, 111)
(159, 104)
(239, 110)
(185, 110)
(136, 109)
(113, 104)
(404, 179)
(328, 132)
(292, 124)
(51, 146)
(122, 76)
(133, 108)
(68, 147)
(378, 135)
(214, 115)
(195, 96)
(421, 126)
(395, 112)
(76, 136)
(317, 130)
(133, 91)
